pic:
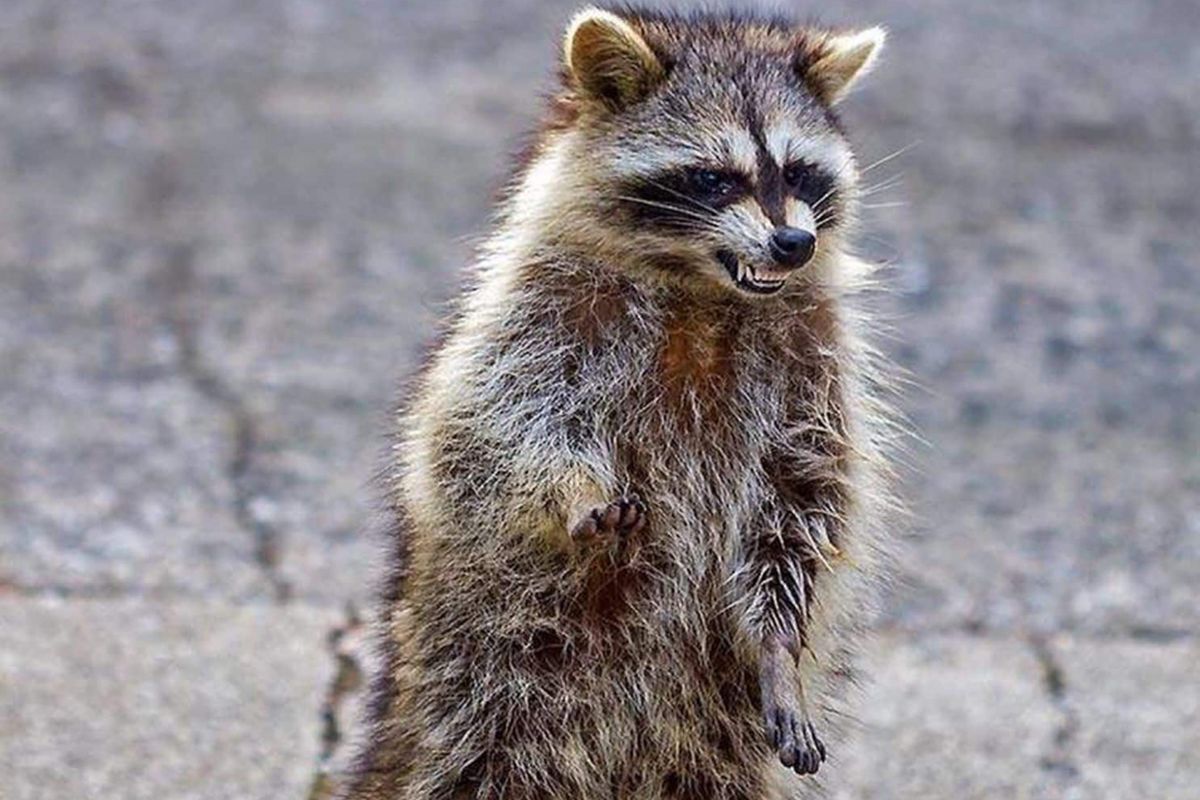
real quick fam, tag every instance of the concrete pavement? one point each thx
(227, 228)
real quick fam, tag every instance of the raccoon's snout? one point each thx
(792, 247)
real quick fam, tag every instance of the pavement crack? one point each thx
(348, 678)
(182, 318)
(53, 589)
(1059, 760)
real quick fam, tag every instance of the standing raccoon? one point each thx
(639, 488)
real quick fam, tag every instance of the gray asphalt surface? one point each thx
(227, 227)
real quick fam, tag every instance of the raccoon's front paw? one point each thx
(789, 729)
(792, 735)
(617, 520)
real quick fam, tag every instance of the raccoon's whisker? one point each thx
(816, 207)
(681, 195)
(821, 219)
(889, 157)
(893, 204)
(881, 186)
(822, 211)
(665, 206)
(827, 215)
(878, 190)
(658, 204)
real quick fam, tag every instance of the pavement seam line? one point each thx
(180, 261)
(348, 677)
(1059, 759)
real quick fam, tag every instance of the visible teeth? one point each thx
(741, 270)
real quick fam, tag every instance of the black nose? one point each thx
(792, 246)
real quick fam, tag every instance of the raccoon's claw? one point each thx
(793, 736)
(619, 519)
(789, 730)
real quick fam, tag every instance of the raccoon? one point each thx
(640, 490)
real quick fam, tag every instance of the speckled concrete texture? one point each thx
(227, 229)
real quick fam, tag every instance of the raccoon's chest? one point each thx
(686, 399)
(701, 422)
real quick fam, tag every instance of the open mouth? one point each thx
(746, 278)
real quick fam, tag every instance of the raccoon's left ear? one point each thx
(835, 62)
(608, 61)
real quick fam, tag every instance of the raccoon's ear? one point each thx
(608, 61)
(837, 61)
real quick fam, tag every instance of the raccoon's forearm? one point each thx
(780, 569)
(567, 495)
(528, 486)
(792, 542)
(496, 457)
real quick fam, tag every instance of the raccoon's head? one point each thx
(706, 147)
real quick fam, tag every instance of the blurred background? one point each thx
(226, 228)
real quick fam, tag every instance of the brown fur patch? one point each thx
(592, 314)
(696, 360)
(606, 596)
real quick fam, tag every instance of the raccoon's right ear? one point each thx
(607, 61)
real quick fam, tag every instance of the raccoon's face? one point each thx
(709, 146)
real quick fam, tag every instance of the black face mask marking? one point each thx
(801, 180)
(815, 187)
(769, 190)
(686, 199)
(681, 199)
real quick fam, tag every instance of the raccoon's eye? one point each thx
(794, 174)
(712, 184)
